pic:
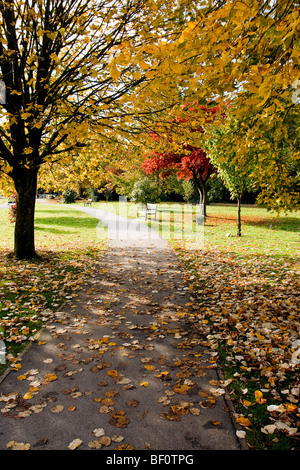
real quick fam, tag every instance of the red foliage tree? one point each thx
(191, 163)
(194, 165)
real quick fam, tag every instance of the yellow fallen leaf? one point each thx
(17, 445)
(292, 408)
(144, 383)
(50, 377)
(112, 373)
(247, 403)
(27, 396)
(258, 396)
(149, 367)
(162, 375)
(21, 377)
(182, 389)
(243, 421)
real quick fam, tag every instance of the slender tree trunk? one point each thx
(26, 186)
(239, 222)
(204, 200)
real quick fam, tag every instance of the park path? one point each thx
(123, 364)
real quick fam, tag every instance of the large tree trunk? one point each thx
(26, 186)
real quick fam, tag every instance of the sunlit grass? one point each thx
(69, 244)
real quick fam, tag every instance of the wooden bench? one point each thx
(88, 202)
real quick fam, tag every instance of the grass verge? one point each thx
(69, 243)
(248, 293)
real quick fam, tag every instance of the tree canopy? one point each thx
(70, 68)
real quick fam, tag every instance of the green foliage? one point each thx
(69, 196)
(190, 192)
(145, 190)
(92, 193)
(216, 191)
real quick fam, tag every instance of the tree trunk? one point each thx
(26, 186)
(200, 185)
(239, 222)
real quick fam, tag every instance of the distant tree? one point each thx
(236, 176)
(191, 164)
(237, 182)
(145, 191)
(178, 151)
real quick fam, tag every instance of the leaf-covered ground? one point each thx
(30, 291)
(248, 293)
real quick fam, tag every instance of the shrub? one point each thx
(145, 190)
(69, 196)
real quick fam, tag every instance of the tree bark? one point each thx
(201, 186)
(26, 187)
(239, 222)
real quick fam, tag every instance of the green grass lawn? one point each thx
(262, 232)
(69, 243)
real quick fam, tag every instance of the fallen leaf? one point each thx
(99, 432)
(112, 373)
(149, 367)
(195, 411)
(17, 445)
(27, 396)
(104, 409)
(133, 402)
(105, 440)
(57, 409)
(50, 378)
(74, 444)
(111, 393)
(119, 419)
(117, 438)
(96, 444)
(182, 389)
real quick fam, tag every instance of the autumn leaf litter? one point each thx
(253, 318)
(249, 310)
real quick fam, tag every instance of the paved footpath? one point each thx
(123, 365)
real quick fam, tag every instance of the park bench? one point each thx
(88, 202)
(150, 209)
